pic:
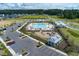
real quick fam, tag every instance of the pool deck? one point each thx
(39, 26)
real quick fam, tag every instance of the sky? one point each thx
(39, 5)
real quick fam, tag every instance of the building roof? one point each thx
(55, 38)
(60, 23)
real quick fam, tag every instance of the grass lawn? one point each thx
(73, 37)
(57, 17)
(74, 25)
(73, 20)
(4, 50)
(8, 22)
(34, 17)
(1, 32)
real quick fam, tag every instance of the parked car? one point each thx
(4, 28)
(10, 42)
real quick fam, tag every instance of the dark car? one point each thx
(10, 42)
(4, 28)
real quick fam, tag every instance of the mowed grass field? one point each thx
(72, 23)
(72, 20)
(8, 22)
(4, 50)
(72, 34)
(34, 17)
(73, 39)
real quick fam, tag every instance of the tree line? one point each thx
(70, 14)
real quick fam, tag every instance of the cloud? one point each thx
(39, 6)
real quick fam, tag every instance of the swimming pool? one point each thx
(39, 25)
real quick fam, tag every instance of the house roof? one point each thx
(55, 38)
